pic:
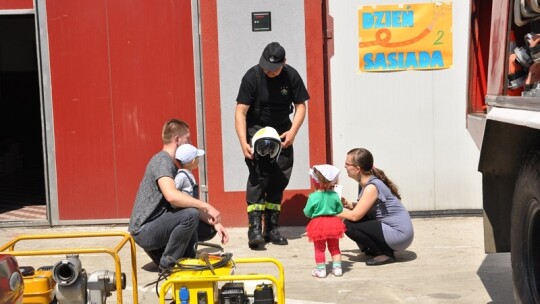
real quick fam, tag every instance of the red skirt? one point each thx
(325, 227)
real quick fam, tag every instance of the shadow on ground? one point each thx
(354, 255)
(495, 272)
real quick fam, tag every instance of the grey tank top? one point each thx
(396, 222)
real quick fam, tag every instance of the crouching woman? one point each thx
(378, 222)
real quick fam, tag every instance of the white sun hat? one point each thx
(328, 171)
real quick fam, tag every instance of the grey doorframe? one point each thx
(44, 69)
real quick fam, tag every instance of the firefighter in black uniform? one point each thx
(269, 92)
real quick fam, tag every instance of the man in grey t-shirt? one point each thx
(166, 233)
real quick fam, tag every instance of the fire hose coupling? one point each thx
(66, 271)
(101, 283)
(534, 91)
(70, 280)
(516, 80)
(523, 56)
(75, 286)
(533, 43)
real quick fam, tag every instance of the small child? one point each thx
(188, 158)
(325, 227)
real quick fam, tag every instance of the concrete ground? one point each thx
(446, 263)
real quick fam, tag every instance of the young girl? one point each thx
(325, 228)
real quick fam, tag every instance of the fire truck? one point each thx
(504, 119)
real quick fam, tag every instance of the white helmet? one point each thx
(266, 143)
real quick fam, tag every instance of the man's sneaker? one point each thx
(319, 273)
(336, 271)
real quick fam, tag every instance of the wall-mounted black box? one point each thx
(261, 21)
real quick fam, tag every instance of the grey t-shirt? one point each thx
(185, 182)
(150, 202)
(396, 222)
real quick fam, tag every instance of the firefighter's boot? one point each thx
(271, 232)
(255, 237)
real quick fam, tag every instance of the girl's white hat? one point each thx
(328, 171)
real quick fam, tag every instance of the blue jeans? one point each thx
(171, 236)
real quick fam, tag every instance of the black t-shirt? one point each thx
(278, 94)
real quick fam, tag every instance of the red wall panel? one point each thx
(119, 70)
(80, 76)
(151, 55)
(16, 4)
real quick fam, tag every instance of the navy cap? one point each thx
(272, 57)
